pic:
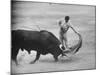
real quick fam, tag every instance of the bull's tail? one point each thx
(74, 49)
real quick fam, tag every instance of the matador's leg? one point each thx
(65, 41)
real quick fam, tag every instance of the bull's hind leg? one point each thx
(37, 58)
(14, 53)
(57, 51)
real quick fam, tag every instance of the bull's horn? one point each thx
(76, 47)
(61, 47)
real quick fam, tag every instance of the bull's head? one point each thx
(73, 49)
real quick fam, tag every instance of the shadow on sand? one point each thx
(62, 60)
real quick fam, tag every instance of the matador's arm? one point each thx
(70, 25)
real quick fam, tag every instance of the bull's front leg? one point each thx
(37, 58)
(55, 57)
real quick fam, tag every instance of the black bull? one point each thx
(43, 42)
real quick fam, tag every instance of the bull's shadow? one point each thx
(62, 60)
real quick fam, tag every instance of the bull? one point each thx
(43, 42)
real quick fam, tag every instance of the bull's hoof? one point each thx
(56, 61)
